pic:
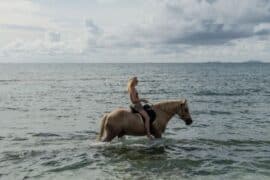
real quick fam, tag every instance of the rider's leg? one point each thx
(147, 123)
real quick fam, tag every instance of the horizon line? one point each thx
(207, 62)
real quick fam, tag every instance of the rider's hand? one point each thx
(144, 100)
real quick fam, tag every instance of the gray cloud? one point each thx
(263, 32)
(54, 36)
(22, 27)
(207, 22)
(92, 27)
(211, 33)
(181, 24)
(94, 33)
(214, 23)
(170, 28)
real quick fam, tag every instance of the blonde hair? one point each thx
(131, 83)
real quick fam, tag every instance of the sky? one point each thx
(134, 30)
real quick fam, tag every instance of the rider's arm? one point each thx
(133, 97)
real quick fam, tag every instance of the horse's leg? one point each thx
(110, 134)
(156, 133)
(108, 138)
(121, 134)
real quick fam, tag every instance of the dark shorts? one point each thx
(138, 107)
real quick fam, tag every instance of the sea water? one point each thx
(50, 116)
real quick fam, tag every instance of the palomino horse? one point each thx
(122, 122)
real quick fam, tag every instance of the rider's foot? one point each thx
(150, 137)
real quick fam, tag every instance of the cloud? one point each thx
(201, 22)
(53, 36)
(189, 23)
(22, 27)
(49, 44)
(92, 27)
(22, 15)
(183, 29)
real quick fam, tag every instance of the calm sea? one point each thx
(50, 116)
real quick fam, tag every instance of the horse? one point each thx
(122, 122)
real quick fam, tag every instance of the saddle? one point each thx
(151, 113)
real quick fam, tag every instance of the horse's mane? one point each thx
(168, 106)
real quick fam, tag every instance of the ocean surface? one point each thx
(50, 116)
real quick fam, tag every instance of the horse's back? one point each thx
(118, 114)
(131, 123)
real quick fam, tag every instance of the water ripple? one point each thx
(44, 135)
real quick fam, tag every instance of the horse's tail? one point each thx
(102, 127)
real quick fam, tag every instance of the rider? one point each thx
(136, 101)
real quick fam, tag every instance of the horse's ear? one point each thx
(185, 101)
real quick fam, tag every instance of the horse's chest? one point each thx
(159, 125)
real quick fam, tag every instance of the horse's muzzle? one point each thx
(189, 121)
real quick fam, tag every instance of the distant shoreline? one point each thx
(135, 63)
(209, 62)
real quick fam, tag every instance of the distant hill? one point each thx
(253, 61)
(248, 62)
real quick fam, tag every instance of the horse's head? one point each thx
(184, 114)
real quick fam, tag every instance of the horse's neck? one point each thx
(169, 109)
